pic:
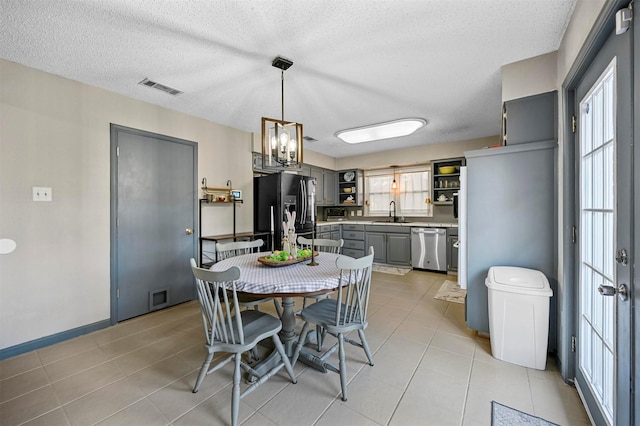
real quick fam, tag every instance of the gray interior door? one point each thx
(153, 219)
(604, 216)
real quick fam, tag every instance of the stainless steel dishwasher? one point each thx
(429, 248)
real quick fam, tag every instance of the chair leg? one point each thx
(303, 336)
(343, 366)
(320, 333)
(235, 396)
(285, 358)
(278, 308)
(203, 371)
(365, 346)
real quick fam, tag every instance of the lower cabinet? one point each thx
(378, 241)
(353, 237)
(329, 232)
(391, 244)
(452, 250)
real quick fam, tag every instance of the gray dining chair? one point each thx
(342, 315)
(237, 248)
(320, 245)
(228, 329)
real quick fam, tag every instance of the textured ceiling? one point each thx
(356, 62)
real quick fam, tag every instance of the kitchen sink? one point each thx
(390, 221)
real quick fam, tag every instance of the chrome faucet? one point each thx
(395, 219)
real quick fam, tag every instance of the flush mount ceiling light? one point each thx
(387, 130)
(281, 140)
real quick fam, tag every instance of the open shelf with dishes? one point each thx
(350, 187)
(446, 179)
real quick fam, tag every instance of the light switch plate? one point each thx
(42, 193)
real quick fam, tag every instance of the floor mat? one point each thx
(451, 292)
(501, 415)
(395, 270)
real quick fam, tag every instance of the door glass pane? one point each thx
(597, 240)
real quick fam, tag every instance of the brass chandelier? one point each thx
(281, 140)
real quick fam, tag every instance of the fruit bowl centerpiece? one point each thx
(284, 258)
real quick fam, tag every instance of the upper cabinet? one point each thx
(325, 186)
(350, 187)
(446, 179)
(530, 119)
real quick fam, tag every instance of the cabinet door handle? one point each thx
(188, 231)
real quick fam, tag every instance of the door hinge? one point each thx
(574, 232)
(573, 343)
(118, 222)
(574, 123)
(117, 293)
(117, 151)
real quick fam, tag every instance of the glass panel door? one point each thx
(597, 346)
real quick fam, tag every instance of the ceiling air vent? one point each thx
(309, 139)
(162, 87)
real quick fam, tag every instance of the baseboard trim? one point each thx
(50, 340)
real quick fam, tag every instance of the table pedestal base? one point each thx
(289, 340)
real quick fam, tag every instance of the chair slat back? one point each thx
(217, 305)
(236, 248)
(322, 244)
(353, 291)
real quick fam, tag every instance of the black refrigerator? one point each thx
(274, 195)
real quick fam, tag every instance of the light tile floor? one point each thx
(429, 370)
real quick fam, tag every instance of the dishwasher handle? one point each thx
(428, 231)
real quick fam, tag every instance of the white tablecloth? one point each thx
(298, 278)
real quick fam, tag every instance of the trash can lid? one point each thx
(518, 280)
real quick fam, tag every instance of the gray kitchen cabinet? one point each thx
(354, 240)
(325, 186)
(330, 177)
(317, 173)
(399, 249)
(452, 250)
(378, 240)
(323, 231)
(391, 244)
(530, 119)
(305, 170)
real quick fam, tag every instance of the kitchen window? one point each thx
(414, 189)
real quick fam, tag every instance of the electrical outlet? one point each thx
(359, 212)
(352, 213)
(42, 194)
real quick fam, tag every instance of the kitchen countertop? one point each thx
(374, 222)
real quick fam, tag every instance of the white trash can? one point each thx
(519, 315)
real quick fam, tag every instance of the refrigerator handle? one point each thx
(303, 203)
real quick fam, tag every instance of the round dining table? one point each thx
(288, 282)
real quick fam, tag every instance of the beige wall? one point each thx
(529, 77)
(416, 155)
(55, 133)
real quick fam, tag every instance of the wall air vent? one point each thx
(166, 89)
(309, 139)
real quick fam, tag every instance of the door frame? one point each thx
(568, 327)
(115, 129)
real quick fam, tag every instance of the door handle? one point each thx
(621, 291)
(188, 231)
